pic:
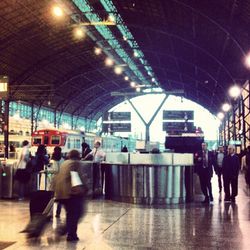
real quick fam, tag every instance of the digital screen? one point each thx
(183, 127)
(178, 115)
(117, 116)
(116, 127)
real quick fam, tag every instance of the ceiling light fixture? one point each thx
(226, 107)
(109, 62)
(57, 11)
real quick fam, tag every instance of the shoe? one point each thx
(72, 238)
(57, 215)
(206, 201)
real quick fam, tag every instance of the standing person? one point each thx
(204, 161)
(22, 175)
(74, 204)
(85, 150)
(55, 163)
(40, 160)
(247, 166)
(98, 157)
(230, 172)
(124, 149)
(218, 165)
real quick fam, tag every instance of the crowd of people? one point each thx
(226, 164)
(59, 179)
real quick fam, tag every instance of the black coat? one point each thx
(199, 163)
(231, 166)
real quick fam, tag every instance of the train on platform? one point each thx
(72, 139)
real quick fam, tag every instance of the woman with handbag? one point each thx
(22, 175)
(54, 168)
(71, 194)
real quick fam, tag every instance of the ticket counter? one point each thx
(165, 178)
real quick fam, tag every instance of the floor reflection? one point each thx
(113, 225)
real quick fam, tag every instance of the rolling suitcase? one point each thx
(38, 221)
(38, 201)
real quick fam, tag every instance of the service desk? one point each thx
(166, 178)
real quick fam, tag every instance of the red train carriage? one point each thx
(67, 140)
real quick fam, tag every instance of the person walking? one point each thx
(219, 156)
(230, 173)
(204, 168)
(74, 203)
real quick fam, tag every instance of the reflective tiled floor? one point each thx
(113, 225)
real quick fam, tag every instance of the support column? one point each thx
(32, 118)
(147, 125)
(224, 133)
(55, 118)
(233, 121)
(243, 122)
(6, 127)
(228, 128)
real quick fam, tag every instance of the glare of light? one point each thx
(118, 70)
(136, 54)
(109, 62)
(235, 91)
(125, 38)
(153, 79)
(16, 116)
(82, 128)
(126, 78)
(98, 51)
(220, 115)
(57, 11)
(66, 126)
(247, 60)
(226, 107)
(79, 33)
(111, 18)
(132, 84)
(45, 122)
(138, 89)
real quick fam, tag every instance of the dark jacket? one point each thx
(231, 166)
(199, 163)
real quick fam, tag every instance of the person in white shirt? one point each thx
(98, 157)
(21, 174)
(218, 165)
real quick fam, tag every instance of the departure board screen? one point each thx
(117, 116)
(116, 127)
(178, 115)
(181, 127)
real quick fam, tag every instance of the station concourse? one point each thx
(66, 64)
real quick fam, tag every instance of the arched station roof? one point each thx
(195, 46)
